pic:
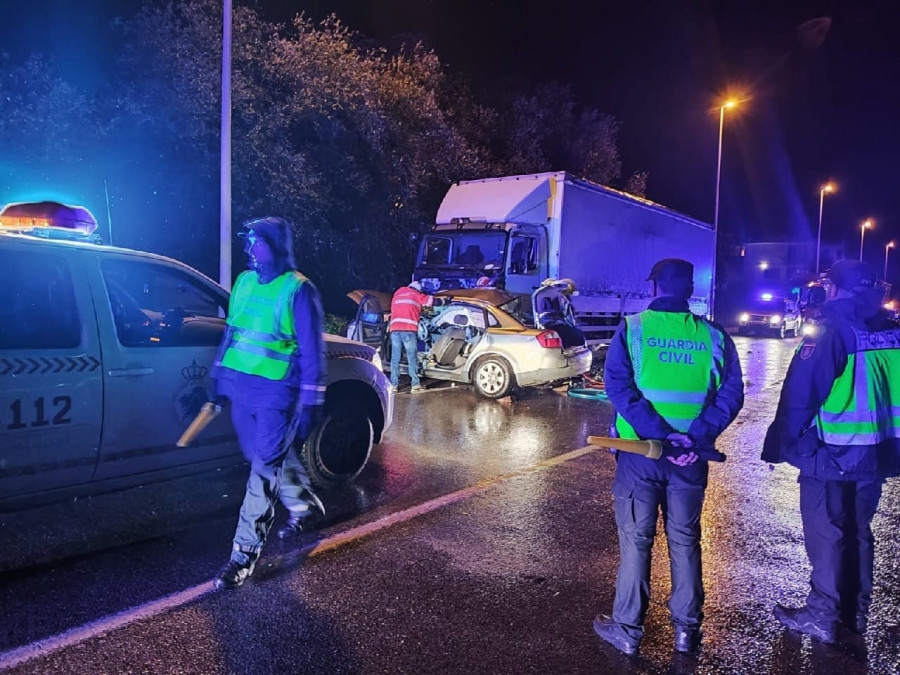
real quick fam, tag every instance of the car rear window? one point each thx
(38, 310)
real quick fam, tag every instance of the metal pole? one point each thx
(225, 153)
(108, 212)
(862, 236)
(819, 238)
(887, 248)
(712, 286)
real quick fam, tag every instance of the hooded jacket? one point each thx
(817, 363)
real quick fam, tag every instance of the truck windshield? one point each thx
(481, 249)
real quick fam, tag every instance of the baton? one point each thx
(652, 448)
(207, 414)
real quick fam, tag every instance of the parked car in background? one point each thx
(770, 315)
(104, 355)
(488, 338)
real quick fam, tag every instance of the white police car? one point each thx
(104, 354)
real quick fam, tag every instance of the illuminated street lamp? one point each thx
(867, 224)
(887, 249)
(729, 104)
(829, 188)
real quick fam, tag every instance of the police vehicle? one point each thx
(770, 315)
(104, 357)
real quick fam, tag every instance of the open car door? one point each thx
(370, 324)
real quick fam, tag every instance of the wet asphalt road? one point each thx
(505, 576)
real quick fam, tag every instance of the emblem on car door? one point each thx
(192, 394)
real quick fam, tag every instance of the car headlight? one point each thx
(376, 361)
(744, 318)
(775, 320)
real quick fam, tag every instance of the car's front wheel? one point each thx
(782, 332)
(338, 449)
(493, 377)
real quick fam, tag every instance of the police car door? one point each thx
(165, 323)
(51, 405)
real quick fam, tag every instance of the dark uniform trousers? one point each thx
(642, 488)
(267, 433)
(837, 518)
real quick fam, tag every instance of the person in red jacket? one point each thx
(406, 308)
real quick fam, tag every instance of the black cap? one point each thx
(852, 275)
(672, 269)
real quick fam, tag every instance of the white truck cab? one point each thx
(104, 355)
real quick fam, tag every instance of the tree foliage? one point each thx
(353, 143)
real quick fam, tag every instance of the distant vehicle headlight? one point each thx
(744, 318)
(775, 320)
(809, 329)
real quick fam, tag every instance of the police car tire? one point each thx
(497, 366)
(329, 465)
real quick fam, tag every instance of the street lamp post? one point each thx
(829, 188)
(225, 153)
(862, 235)
(730, 103)
(887, 249)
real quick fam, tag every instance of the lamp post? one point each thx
(730, 103)
(887, 249)
(829, 188)
(225, 153)
(862, 235)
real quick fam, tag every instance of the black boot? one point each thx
(687, 639)
(611, 632)
(234, 574)
(293, 527)
(800, 620)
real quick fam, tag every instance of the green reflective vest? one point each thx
(261, 320)
(863, 407)
(677, 359)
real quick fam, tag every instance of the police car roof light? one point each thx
(49, 219)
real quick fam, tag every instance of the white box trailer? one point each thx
(513, 232)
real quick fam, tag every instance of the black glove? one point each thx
(441, 301)
(308, 418)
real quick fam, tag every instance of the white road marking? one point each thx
(47, 646)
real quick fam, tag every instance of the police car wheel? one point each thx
(782, 332)
(493, 377)
(338, 449)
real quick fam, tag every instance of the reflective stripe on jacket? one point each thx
(406, 308)
(261, 321)
(677, 360)
(863, 407)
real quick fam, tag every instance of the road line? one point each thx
(47, 646)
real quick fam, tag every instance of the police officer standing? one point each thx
(838, 421)
(673, 376)
(271, 366)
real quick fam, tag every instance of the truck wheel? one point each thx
(492, 377)
(338, 449)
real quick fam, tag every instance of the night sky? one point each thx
(661, 67)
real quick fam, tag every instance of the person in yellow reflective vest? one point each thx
(271, 367)
(838, 422)
(673, 376)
